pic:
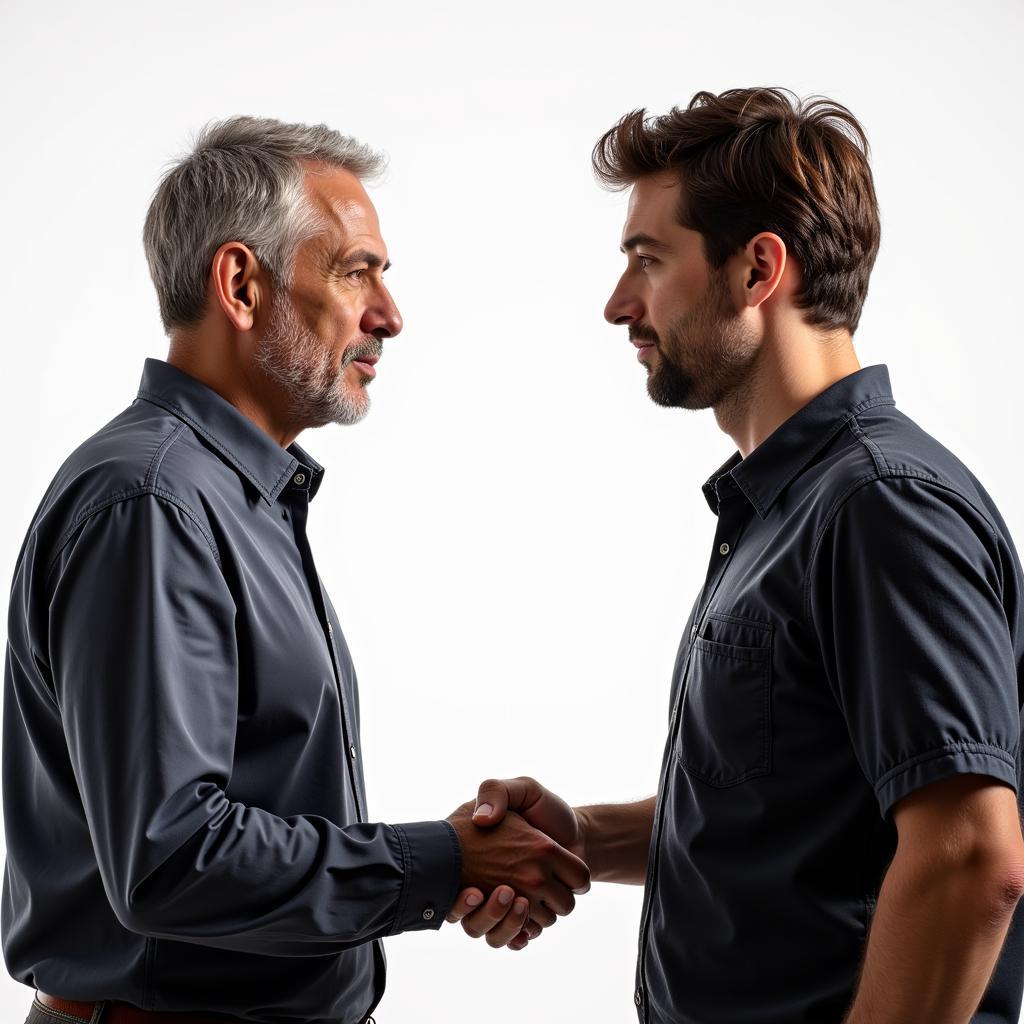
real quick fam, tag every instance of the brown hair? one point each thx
(750, 161)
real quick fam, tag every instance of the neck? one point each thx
(787, 374)
(220, 363)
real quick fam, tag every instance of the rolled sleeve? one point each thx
(905, 597)
(145, 670)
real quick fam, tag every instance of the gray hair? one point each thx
(242, 181)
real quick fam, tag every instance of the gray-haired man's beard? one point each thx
(300, 363)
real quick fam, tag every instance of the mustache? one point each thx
(640, 332)
(369, 346)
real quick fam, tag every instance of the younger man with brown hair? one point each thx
(836, 833)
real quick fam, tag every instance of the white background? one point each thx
(514, 536)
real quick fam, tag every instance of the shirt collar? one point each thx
(261, 460)
(766, 472)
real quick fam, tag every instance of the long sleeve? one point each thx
(145, 672)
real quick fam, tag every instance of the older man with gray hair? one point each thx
(183, 794)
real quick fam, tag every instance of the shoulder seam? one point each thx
(121, 496)
(881, 466)
(153, 471)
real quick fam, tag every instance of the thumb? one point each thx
(491, 802)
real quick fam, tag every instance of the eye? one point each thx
(357, 274)
(644, 260)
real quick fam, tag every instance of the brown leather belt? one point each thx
(124, 1013)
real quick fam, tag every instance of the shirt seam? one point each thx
(155, 464)
(122, 496)
(148, 956)
(403, 896)
(881, 466)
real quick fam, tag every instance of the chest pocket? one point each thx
(724, 734)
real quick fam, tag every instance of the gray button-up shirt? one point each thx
(182, 783)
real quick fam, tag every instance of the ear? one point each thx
(238, 284)
(763, 263)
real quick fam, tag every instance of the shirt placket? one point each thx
(298, 494)
(733, 515)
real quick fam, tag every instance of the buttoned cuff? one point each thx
(432, 857)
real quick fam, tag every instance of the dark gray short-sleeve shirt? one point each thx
(859, 635)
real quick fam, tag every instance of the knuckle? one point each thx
(544, 845)
(532, 880)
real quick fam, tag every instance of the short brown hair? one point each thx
(749, 161)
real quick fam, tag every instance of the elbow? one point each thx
(133, 918)
(139, 916)
(999, 886)
(1009, 882)
(145, 906)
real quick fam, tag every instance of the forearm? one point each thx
(616, 840)
(934, 940)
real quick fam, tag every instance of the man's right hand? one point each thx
(546, 812)
(539, 806)
(515, 853)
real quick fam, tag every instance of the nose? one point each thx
(624, 307)
(382, 318)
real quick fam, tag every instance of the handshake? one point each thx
(524, 850)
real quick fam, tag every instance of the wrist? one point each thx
(585, 829)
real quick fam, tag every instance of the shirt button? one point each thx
(724, 549)
(637, 997)
(299, 478)
(693, 633)
(428, 914)
(330, 629)
(352, 751)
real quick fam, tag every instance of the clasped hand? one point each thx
(523, 853)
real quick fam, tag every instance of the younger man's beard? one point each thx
(715, 345)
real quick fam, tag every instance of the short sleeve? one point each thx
(904, 595)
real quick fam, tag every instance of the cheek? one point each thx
(672, 297)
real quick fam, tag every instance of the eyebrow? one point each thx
(371, 259)
(641, 239)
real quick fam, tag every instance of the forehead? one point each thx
(341, 201)
(653, 200)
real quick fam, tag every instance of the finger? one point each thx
(496, 796)
(497, 907)
(519, 942)
(531, 929)
(501, 934)
(541, 915)
(491, 802)
(465, 903)
(571, 872)
(559, 899)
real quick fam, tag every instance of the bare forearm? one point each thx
(616, 840)
(934, 940)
